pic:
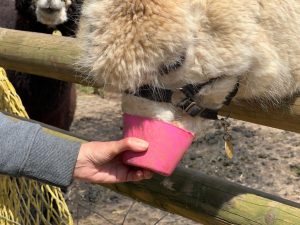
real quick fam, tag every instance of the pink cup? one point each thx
(167, 144)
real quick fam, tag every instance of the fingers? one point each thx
(132, 144)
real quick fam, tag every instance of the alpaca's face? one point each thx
(51, 12)
(130, 43)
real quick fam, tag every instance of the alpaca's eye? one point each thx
(165, 69)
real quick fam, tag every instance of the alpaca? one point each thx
(163, 45)
(47, 100)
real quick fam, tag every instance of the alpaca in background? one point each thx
(46, 100)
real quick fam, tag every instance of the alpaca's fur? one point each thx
(253, 41)
(47, 100)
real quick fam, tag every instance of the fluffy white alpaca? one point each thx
(128, 42)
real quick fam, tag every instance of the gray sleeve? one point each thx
(27, 150)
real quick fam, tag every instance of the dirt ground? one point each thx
(266, 159)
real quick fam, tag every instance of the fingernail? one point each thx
(139, 174)
(141, 143)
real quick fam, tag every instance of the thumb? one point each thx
(131, 144)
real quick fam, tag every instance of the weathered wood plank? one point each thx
(286, 117)
(41, 54)
(206, 199)
(55, 57)
(211, 200)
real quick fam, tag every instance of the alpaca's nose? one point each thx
(50, 10)
(50, 6)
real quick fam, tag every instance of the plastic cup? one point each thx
(167, 144)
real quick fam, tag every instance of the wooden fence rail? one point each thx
(55, 57)
(205, 199)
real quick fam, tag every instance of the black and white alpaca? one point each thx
(47, 100)
(46, 15)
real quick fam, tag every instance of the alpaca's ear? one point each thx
(26, 7)
(22, 4)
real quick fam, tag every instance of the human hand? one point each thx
(101, 162)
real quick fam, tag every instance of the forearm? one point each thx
(27, 150)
